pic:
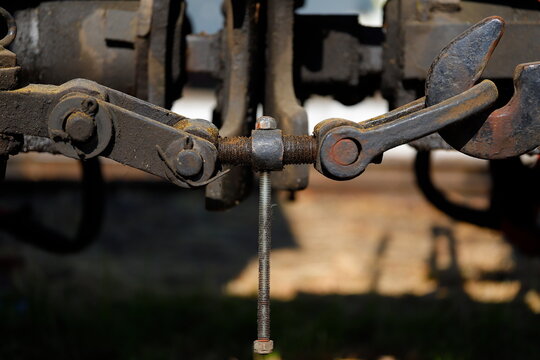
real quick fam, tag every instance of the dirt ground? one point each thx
(365, 269)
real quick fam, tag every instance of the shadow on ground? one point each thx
(151, 288)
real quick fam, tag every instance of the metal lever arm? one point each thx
(347, 148)
(85, 119)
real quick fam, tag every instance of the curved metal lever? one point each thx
(345, 151)
(507, 132)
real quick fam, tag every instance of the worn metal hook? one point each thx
(507, 132)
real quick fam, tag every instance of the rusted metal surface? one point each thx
(189, 152)
(267, 145)
(417, 30)
(341, 161)
(11, 27)
(263, 344)
(202, 54)
(507, 132)
(134, 47)
(297, 149)
(9, 71)
(335, 55)
(125, 128)
(427, 29)
(237, 95)
(53, 49)
(346, 148)
(280, 99)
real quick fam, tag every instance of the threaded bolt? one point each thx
(263, 344)
(265, 242)
(297, 149)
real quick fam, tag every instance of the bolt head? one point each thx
(80, 126)
(189, 163)
(263, 347)
(266, 123)
(345, 151)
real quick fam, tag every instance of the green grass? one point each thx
(148, 326)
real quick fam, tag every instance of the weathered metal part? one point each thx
(203, 54)
(139, 129)
(8, 59)
(510, 131)
(267, 149)
(263, 151)
(335, 55)
(516, 126)
(507, 132)
(189, 163)
(262, 347)
(11, 28)
(263, 344)
(134, 47)
(193, 173)
(80, 126)
(297, 149)
(427, 30)
(341, 149)
(461, 63)
(61, 41)
(266, 123)
(9, 71)
(38, 144)
(199, 127)
(339, 159)
(280, 99)
(165, 51)
(237, 95)
(67, 137)
(416, 32)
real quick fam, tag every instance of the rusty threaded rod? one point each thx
(297, 149)
(265, 238)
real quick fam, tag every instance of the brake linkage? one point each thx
(340, 149)
(83, 120)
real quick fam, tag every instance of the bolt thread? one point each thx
(235, 150)
(265, 233)
(297, 149)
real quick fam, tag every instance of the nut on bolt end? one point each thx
(80, 126)
(266, 123)
(267, 148)
(263, 347)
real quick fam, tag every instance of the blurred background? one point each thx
(364, 269)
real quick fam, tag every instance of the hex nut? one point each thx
(263, 347)
(266, 123)
(80, 126)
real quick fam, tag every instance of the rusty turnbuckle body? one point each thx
(297, 149)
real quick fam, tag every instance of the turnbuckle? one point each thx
(342, 149)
